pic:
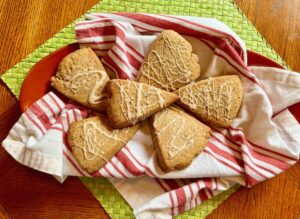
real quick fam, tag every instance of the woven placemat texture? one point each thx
(224, 10)
(115, 205)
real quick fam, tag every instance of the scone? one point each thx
(130, 102)
(170, 63)
(177, 137)
(82, 78)
(94, 142)
(214, 100)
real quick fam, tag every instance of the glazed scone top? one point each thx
(131, 102)
(173, 122)
(138, 106)
(170, 63)
(81, 77)
(178, 137)
(94, 135)
(215, 100)
(94, 142)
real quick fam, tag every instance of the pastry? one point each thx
(170, 63)
(214, 100)
(82, 78)
(178, 138)
(94, 142)
(130, 102)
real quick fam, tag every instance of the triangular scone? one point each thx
(130, 102)
(94, 142)
(82, 78)
(170, 63)
(214, 100)
(177, 137)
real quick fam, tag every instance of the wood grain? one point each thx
(275, 198)
(25, 193)
(279, 22)
(26, 24)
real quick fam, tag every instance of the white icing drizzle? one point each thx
(214, 101)
(165, 72)
(177, 128)
(92, 133)
(93, 97)
(161, 100)
(81, 79)
(135, 105)
(90, 148)
(139, 112)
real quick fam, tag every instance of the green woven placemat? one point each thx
(224, 10)
(115, 205)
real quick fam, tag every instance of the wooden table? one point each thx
(25, 193)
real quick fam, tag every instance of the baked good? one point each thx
(94, 142)
(214, 100)
(170, 63)
(178, 138)
(130, 102)
(81, 77)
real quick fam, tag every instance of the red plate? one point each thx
(37, 81)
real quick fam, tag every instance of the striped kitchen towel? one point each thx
(263, 140)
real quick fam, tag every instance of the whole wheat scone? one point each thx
(214, 100)
(177, 137)
(170, 63)
(82, 78)
(94, 142)
(130, 102)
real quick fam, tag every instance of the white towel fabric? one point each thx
(263, 140)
